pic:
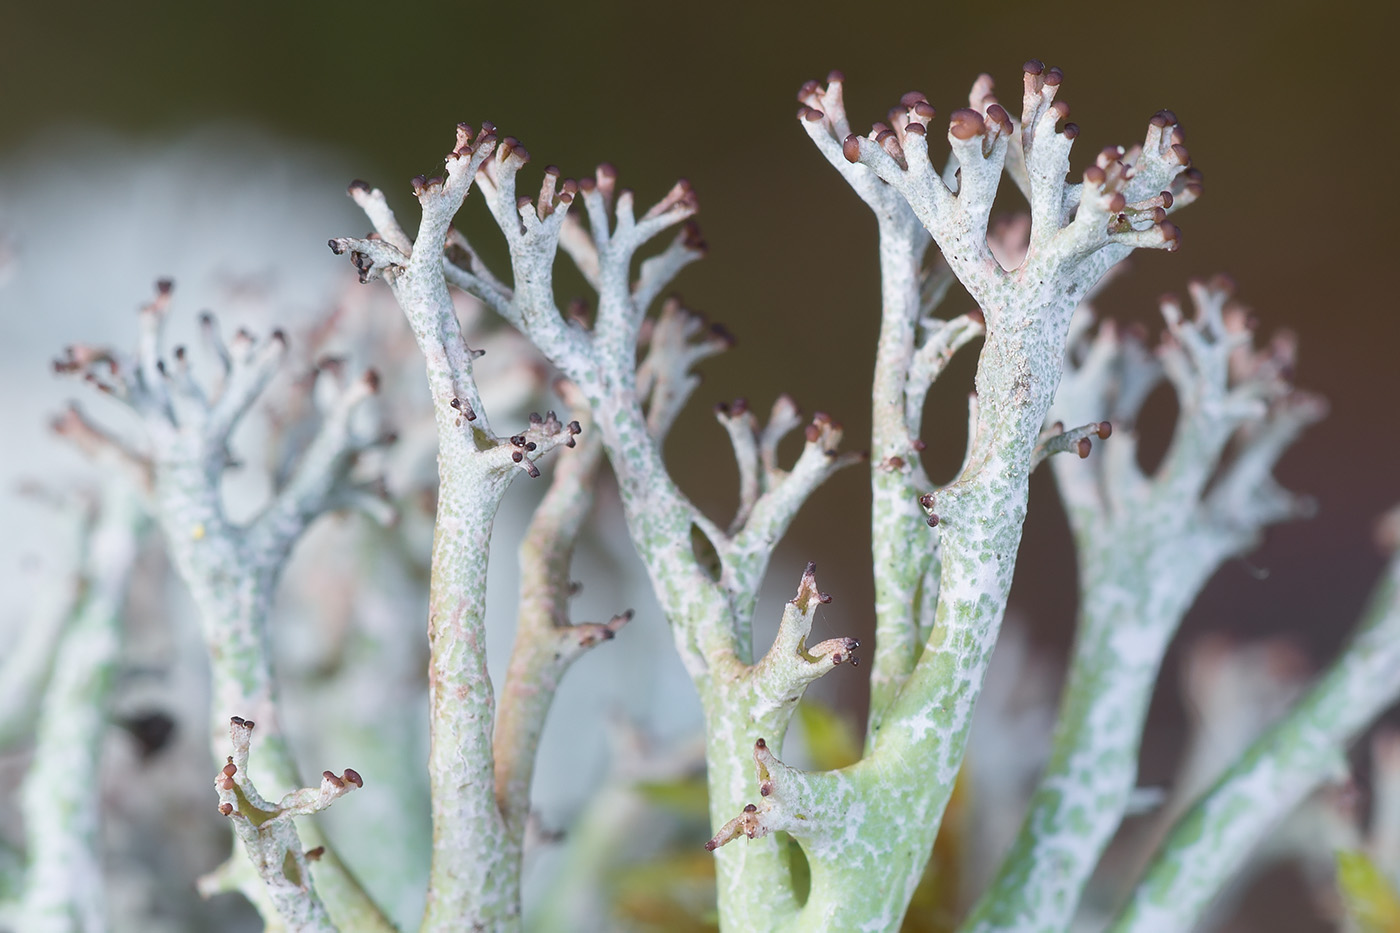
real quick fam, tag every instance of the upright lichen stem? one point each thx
(473, 881)
(902, 546)
(63, 886)
(1281, 768)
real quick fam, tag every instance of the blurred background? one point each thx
(213, 143)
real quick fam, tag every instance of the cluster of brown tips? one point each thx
(1083, 445)
(464, 149)
(351, 776)
(540, 428)
(1037, 80)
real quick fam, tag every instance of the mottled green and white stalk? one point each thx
(479, 781)
(878, 819)
(1146, 546)
(231, 569)
(1291, 760)
(63, 886)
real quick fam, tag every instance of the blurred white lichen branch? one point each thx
(231, 569)
(63, 884)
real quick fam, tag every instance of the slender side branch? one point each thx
(781, 677)
(546, 642)
(769, 496)
(269, 835)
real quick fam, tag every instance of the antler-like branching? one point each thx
(232, 569)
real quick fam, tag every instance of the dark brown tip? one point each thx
(761, 743)
(1053, 77)
(1105, 430)
(358, 185)
(850, 148)
(163, 286)
(965, 124)
(1033, 67)
(912, 99)
(835, 77)
(353, 777)
(226, 809)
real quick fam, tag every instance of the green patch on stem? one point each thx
(1371, 902)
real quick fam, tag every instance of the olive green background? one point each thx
(1288, 110)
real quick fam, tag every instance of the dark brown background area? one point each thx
(1288, 110)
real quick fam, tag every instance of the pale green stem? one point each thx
(64, 881)
(1128, 614)
(1278, 771)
